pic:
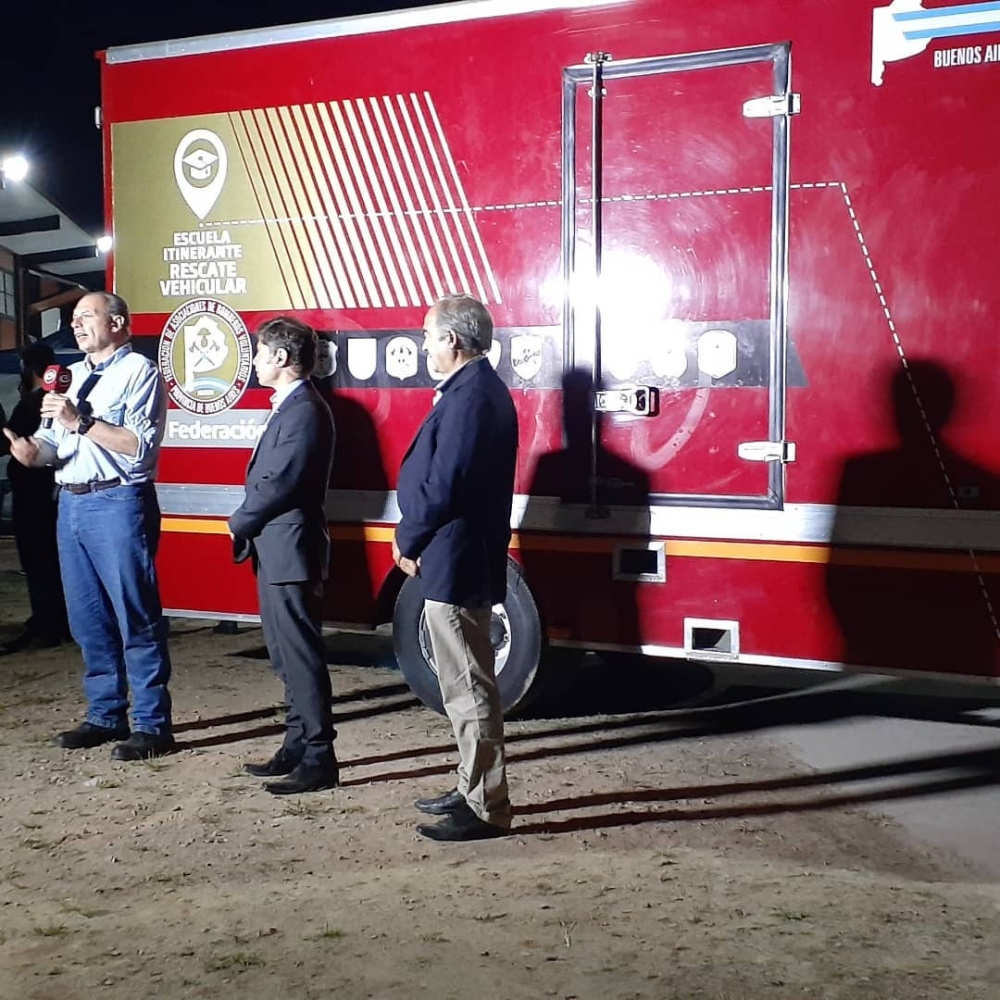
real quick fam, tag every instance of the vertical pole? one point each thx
(597, 61)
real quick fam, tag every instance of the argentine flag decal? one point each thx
(905, 28)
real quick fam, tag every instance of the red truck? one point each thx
(742, 260)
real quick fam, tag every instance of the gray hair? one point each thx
(468, 319)
(116, 306)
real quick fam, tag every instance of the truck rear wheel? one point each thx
(514, 629)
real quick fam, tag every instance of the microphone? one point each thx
(56, 378)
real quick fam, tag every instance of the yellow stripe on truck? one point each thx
(945, 562)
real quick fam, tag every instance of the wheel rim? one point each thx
(499, 637)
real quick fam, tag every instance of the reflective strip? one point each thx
(190, 526)
(942, 562)
(451, 13)
(805, 524)
(753, 659)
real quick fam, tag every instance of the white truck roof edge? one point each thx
(342, 27)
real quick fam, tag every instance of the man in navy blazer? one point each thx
(455, 491)
(281, 526)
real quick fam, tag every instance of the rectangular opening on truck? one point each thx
(641, 563)
(708, 639)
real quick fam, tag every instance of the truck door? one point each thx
(675, 237)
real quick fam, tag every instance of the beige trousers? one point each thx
(463, 653)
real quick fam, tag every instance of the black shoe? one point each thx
(283, 762)
(462, 824)
(28, 641)
(88, 735)
(16, 644)
(306, 778)
(144, 746)
(443, 805)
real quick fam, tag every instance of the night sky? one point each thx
(51, 85)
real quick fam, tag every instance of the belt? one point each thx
(92, 487)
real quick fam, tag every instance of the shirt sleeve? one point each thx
(145, 405)
(48, 443)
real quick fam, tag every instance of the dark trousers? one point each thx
(290, 614)
(34, 512)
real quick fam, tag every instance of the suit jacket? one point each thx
(33, 484)
(456, 487)
(282, 520)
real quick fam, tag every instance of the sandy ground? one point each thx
(644, 862)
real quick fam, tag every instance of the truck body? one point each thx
(742, 264)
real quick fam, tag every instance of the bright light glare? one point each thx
(636, 297)
(14, 168)
(104, 244)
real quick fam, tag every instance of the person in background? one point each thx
(33, 511)
(105, 442)
(456, 489)
(281, 527)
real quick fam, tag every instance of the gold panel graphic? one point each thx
(188, 223)
(338, 205)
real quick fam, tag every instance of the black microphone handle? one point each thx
(47, 423)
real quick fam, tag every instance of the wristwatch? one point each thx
(85, 422)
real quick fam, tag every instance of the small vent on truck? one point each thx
(711, 639)
(641, 563)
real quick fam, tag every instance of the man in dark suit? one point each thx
(455, 492)
(281, 526)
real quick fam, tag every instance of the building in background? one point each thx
(47, 261)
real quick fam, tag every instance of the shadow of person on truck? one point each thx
(359, 487)
(905, 581)
(585, 562)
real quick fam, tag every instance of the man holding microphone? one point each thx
(103, 436)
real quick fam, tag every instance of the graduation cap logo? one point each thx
(200, 165)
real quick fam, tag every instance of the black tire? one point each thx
(517, 639)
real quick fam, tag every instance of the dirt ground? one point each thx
(643, 864)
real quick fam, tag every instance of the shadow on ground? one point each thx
(637, 702)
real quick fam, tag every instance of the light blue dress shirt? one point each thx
(129, 393)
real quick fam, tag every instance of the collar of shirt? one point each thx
(283, 392)
(127, 393)
(107, 362)
(443, 384)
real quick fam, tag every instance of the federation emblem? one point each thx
(493, 354)
(401, 358)
(362, 357)
(717, 353)
(668, 358)
(205, 356)
(200, 167)
(526, 355)
(326, 357)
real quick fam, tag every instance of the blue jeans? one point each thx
(107, 543)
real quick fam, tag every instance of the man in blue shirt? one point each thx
(104, 439)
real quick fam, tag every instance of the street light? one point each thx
(13, 168)
(104, 244)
